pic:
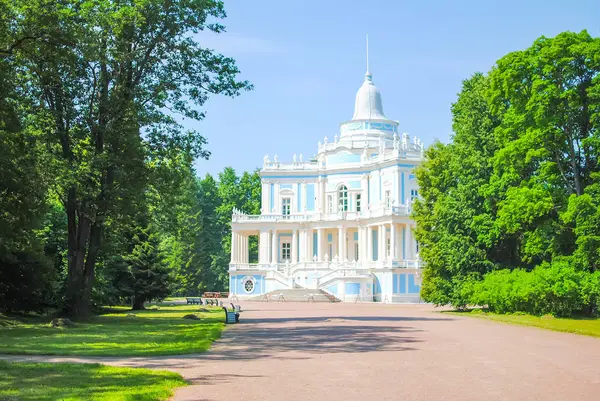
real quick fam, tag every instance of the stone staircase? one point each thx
(296, 295)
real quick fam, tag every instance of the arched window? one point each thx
(343, 199)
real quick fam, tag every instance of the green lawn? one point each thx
(70, 381)
(150, 332)
(588, 327)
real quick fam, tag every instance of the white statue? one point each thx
(266, 159)
(300, 157)
(294, 158)
(325, 141)
(335, 138)
(275, 159)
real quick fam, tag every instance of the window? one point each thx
(358, 203)
(388, 199)
(330, 203)
(356, 251)
(286, 251)
(414, 194)
(343, 199)
(248, 285)
(286, 206)
(388, 246)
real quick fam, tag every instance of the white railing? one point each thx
(290, 269)
(272, 165)
(391, 151)
(402, 210)
(343, 272)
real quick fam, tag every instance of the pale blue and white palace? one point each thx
(339, 222)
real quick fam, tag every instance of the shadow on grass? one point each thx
(149, 333)
(44, 381)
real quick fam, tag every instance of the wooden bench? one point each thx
(231, 316)
(194, 301)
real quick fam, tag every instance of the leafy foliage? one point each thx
(97, 85)
(509, 210)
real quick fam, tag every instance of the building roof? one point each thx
(368, 104)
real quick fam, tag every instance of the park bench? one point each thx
(236, 308)
(231, 316)
(194, 301)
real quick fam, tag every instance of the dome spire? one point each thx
(368, 105)
(368, 73)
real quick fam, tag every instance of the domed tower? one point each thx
(369, 121)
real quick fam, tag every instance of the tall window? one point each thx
(388, 199)
(286, 251)
(358, 202)
(356, 251)
(286, 206)
(330, 203)
(414, 194)
(343, 199)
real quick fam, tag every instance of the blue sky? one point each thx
(306, 60)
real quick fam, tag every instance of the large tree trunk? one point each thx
(137, 303)
(76, 304)
(84, 237)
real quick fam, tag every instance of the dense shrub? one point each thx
(557, 289)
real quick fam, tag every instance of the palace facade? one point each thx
(340, 222)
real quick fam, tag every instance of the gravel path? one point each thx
(364, 352)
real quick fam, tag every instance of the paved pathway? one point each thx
(362, 352)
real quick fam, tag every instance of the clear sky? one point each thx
(306, 60)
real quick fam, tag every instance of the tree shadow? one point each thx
(343, 318)
(46, 381)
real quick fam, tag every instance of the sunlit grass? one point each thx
(150, 332)
(584, 326)
(68, 381)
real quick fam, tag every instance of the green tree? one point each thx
(101, 77)
(148, 276)
(517, 187)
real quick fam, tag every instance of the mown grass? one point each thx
(584, 326)
(161, 331)
(26, 381)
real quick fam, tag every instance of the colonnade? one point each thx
(315, 244)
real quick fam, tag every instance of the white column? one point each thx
(393, 253)
(294, 246)
(263, 247)
(233, 246)
(369, 244)
(340, 249)
(320, 244)
(345, 244)
(409, 243)
(276, 200)
(264, 199)
(322, 197)
(247, 248)
(381, 242)
(240, 248)
(303, 197)
(274, 247)
(309, 245)
(362, 245)
(301, 246)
